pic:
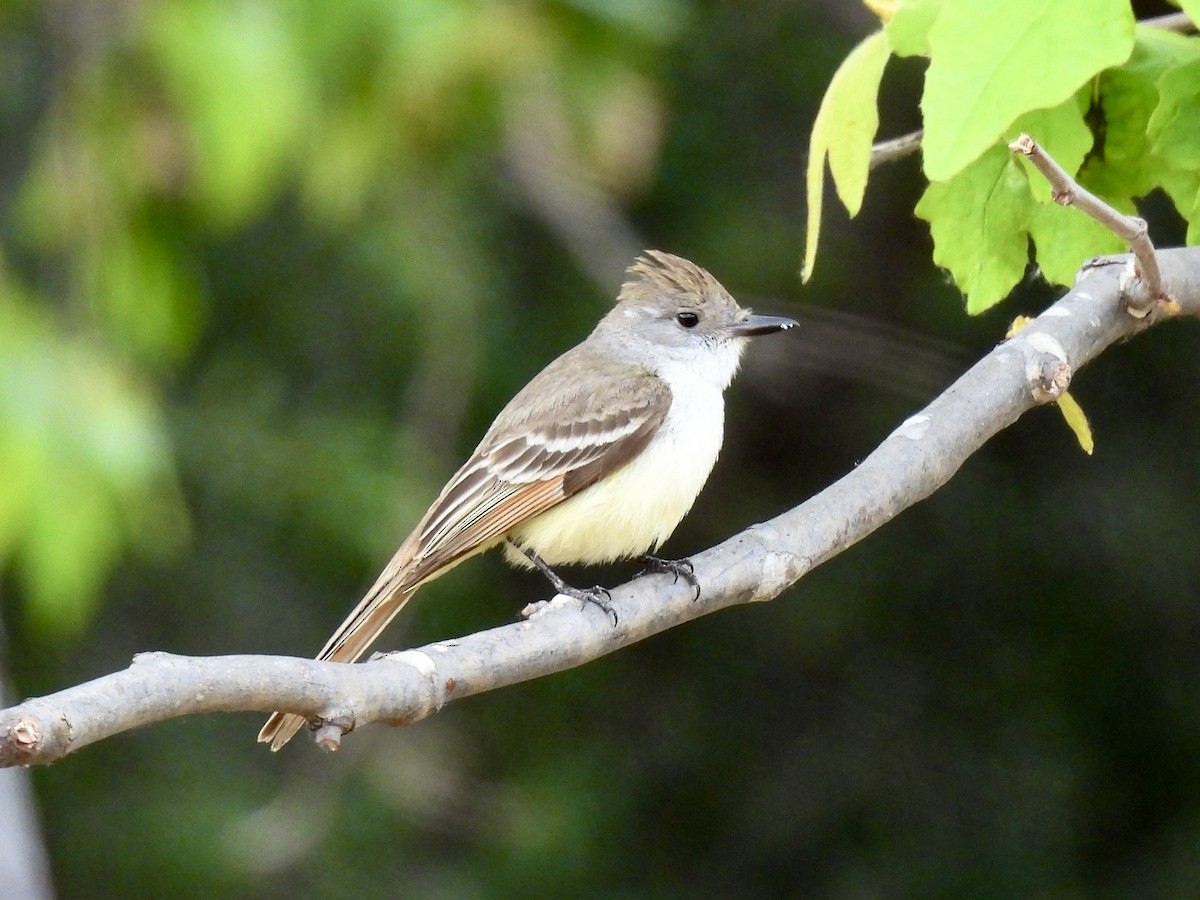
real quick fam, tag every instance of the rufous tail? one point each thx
(348, 643)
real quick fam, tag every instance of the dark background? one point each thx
(326, 242)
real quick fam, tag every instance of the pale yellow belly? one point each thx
(635, 509)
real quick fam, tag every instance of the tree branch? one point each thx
(1134, 231)
(895, 148)
(920, 456)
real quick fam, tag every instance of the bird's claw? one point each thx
(679, 568)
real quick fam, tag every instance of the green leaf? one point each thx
(1064, 237)
(1184, 190)
(991, 62)
(1123, 165)
(1174, 128)
(1062, 132)
(1193, 230)
(1191, 7)
(908, 28)
(1183, 187)
(983, 218)
(978, 220)
(844, 129)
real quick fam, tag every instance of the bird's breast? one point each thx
(637, 507)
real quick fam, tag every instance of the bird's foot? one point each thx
(595, 595)
(680, 568)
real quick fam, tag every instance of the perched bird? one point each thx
(597, 459)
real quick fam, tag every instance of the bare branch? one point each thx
(1131, 229)
(919, 457)
(895, 148)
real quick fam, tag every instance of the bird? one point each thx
(596, 459)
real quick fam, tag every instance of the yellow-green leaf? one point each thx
(1061, 132)
(979, 220)
(991, 62)
(908, 27)
(844, 130)
(1077, 421)
(235, 75)
(1174, 128)
(1064, 237)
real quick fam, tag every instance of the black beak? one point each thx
(755, 325)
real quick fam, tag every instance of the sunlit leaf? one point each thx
(978, 220)
(908, 27)
(1075, 418)
(991, 62)
(1064, 237)
(844, 129)
(1125, 166)
(1061, 132)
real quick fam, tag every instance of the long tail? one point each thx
(373, 613)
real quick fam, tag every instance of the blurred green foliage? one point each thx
(269, 269)
(179, 125)
(86, 461)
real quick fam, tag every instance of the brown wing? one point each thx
(582, 417)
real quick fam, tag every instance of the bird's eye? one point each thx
(687, 319)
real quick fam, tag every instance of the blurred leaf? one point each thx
(242, 93)
(92, 467)
(85, 172)
(335, 470)
(144, 292)
(654, 20)
(991, 62)
(70, 544)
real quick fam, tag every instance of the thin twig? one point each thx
(1066, 191)
(896, 148)
(1179, 21)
